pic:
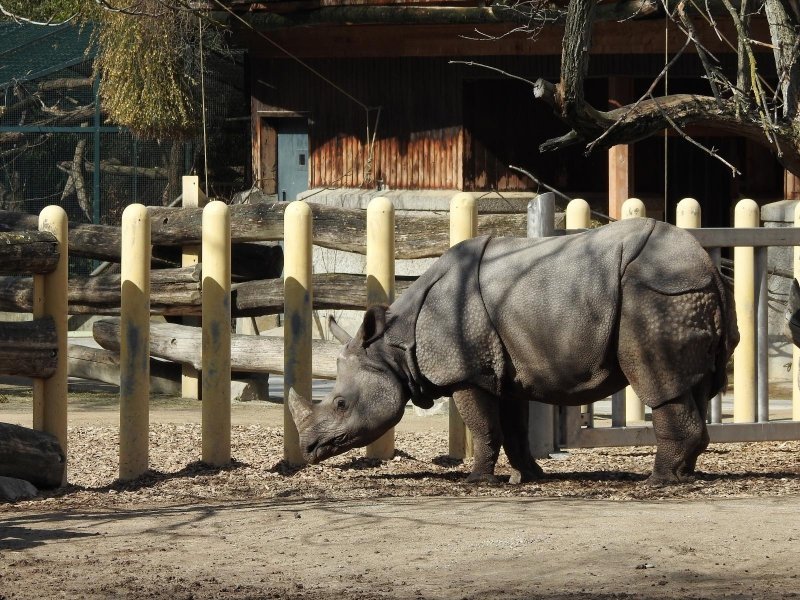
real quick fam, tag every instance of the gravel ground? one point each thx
(420, 468)
(408, 528)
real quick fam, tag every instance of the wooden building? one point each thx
(379, 95)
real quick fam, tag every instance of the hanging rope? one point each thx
(203, 104)
(666, 137)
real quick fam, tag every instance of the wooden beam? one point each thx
(98, 364)
(28, 252)
(173, 292)
(249, 353)
(28, 348)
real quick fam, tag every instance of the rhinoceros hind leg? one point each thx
(514, 422)
(681, 436)
(481, 414)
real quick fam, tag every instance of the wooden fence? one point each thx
(37, 349)
(346, 229)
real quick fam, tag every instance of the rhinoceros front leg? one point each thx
(481, 413)
(514, 423)
(681, 436)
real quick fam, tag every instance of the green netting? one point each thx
(56, 148)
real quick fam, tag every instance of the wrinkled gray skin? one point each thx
(569, 320)
(793, 314)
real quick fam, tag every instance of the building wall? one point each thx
(401, 124)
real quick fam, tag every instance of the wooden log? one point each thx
(176, 292)
(31, 455)
(340, 291)
(417, 236)
(112, 168)
(102, 242)
(98, 364)
(172, 292)
(28, 348)
(28, 251)
(249, 353)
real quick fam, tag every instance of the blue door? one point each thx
(292, 158)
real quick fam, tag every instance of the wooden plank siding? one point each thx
(444, 126)
(417, 145)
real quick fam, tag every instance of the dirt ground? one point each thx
(357, 529)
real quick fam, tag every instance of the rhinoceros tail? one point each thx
(728, 332)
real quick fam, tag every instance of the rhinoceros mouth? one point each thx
(320, 449)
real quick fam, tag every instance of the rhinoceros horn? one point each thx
(339, 333)
(302, 410)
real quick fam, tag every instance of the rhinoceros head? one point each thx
(367, 400)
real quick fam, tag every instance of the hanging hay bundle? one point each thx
(148, 67)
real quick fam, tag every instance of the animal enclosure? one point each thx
(348, 229)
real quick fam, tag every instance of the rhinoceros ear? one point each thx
(374, 324)
(337, 332)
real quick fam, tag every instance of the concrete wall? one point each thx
(779, 214)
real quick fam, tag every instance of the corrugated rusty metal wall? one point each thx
(418, 139)
(440, 126)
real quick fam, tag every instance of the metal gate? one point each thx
(578, 428)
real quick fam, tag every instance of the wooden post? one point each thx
(193, 197)
(541, 416)
(795, 349)
(298, 295)
(216, 379)
(634, 409)
(380, 285)
(50, 300)
(578, 216)
(687, 214)
(620, 158)
(134, 367)
(746, 214)
(463, 226)
(791, 186)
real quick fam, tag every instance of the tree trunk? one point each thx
(249, 353)
(28, 348)
(28, 252)
(31, 455)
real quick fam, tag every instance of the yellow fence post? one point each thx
(298, 298)
(578, 214)
(746, 214)
(380, 285)
(634, 409)
(192, 197)
(463, 226)
(795, 349)
(688, 214)
(134, 367)
(50, 300)
(216, 315)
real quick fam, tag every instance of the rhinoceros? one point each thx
(496, 322)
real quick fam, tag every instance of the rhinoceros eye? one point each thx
(341, 404)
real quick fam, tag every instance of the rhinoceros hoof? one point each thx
(487, 478)
(518, 477)
(655, 481)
